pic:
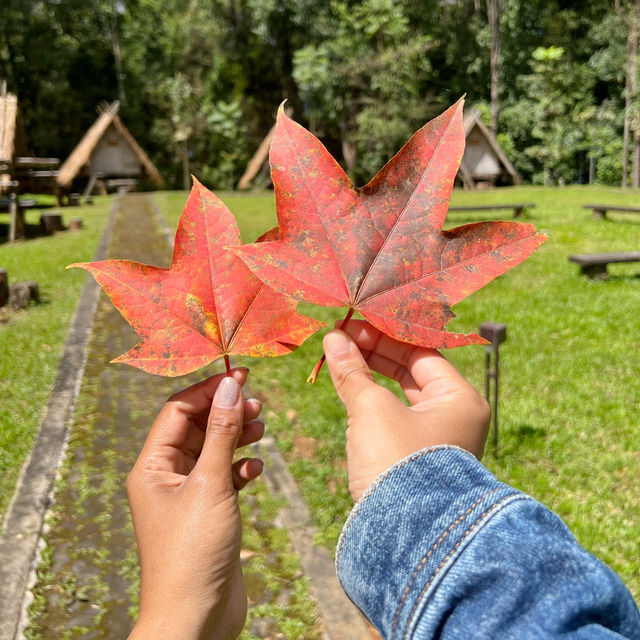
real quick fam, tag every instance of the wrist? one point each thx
(147, 628)
(184, 622)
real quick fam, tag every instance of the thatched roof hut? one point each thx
(484, 161)
(109, 150)
(12, 139)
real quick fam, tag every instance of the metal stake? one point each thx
(496, 333)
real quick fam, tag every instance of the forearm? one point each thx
(439, 547)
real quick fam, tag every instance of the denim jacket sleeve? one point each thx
(439, 548)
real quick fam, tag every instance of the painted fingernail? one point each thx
(336, 345)
(226, 394)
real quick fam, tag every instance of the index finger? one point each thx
(197, 398)
(191, 405)
(417, 369)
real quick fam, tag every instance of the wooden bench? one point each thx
(600, 210)
(24, 203)
(594, 265)
(122, 185)
(518, 209)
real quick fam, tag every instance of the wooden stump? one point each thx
(51, 222)
(16, 226)
(75, 224)
(22, 293)
(4, 287)
(74, 199)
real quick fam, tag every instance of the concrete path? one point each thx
(87, 578)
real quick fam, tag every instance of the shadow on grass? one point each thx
(530, 432)
(521, 437)
(32, 231)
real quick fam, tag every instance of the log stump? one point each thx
(51, 222)
(74, 199)
(22, 293)
(4, 287)
(75, 224)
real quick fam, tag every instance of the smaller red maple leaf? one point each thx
(382, 250)
(208, 304)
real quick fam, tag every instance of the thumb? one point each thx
(224, 427)
(349, 372)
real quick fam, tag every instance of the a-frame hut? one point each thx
(108, 153)
(484, 163)
(12, 139)
(19, 172)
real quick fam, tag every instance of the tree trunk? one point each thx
(117, 55)
(349, 150)
(349, 153)
(633, 90)
(630, 95)
(493, 14)
(186, 170)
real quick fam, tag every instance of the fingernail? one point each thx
(226, 394)
(336, 345)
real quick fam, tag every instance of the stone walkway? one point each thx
(87, 580)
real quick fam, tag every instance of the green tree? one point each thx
(553, 115)
(362, 84)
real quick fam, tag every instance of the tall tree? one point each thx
(494, 8)
(630, 12)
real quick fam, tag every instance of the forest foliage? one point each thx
(200, 81)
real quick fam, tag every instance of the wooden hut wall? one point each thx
(113, 155)
(479, 158)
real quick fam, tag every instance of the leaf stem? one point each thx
(227, 364)
(313, 376)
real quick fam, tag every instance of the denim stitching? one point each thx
(380, 479)
(439, 567)
(430, 553)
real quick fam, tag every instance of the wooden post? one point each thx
(16, 229)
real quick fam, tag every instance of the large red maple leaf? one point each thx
(208, 304)
(381, 250)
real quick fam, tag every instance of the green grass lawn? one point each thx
(570, 390)
(31, 340)
(570, 383)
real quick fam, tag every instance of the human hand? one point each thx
(183, 497)
(444, 407)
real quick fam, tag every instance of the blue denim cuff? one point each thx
(402, 536)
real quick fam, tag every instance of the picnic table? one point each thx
(518, 209)
(594, 265)
(600, 210)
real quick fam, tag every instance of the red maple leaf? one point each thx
(206, 305)
(381, 250)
